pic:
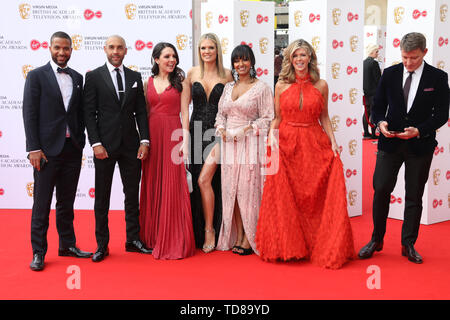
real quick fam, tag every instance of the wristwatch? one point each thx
(145, 144)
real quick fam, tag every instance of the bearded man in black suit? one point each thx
(114, 104)
(411, 103)
(54, 130)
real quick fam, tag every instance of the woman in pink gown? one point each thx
(166, 221)
(244, 115)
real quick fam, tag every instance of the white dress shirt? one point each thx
(113, 74)
(414, 84)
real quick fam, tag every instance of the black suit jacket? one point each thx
(108, 121)
(44, 115)
(371, 76)
(429, 110)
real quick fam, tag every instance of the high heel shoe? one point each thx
(245, 251)
(207, 248)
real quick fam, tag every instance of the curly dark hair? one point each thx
(177, 76)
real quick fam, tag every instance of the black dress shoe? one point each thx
(368, 250)
(411, 253)
(100, 254)
(137, 246)
(38, 262)
(73, 252)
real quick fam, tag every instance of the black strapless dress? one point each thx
(202, 130)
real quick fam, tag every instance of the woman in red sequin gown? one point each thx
(303, 212)
(166, 221)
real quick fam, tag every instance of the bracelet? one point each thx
(145, 144)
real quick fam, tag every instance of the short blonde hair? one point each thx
(219, 58)
(287, 73)
(371, 48)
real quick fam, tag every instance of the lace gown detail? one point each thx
(304, 207)
(242, 178)
(201, 127)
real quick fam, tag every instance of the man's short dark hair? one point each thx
(61, 34)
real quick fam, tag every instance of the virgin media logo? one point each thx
(89, 14)
(350, 70)
(223, 19)
(140, 45)
(349, 122)
(416, 14)
(438, 150)
(442, 41)
(437, 203)
(249, 44)
(349, 173)
(1, 133)
(35, 45)
(335, 97)
(351, 17)
(394, 199)
(337, 44)
(260, 72)
(260, 19)
(313, 17)
(448, 175)
(396, 42)
(2, 191)
(92, 192)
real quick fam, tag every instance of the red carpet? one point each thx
(221, 275)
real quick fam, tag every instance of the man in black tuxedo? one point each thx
(371, 76)
(114, 103)
(411, 103)
(54, 130)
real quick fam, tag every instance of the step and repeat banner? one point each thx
(25, 30)
(335, 30)
(430, 18)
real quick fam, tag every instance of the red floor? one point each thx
(220, 275)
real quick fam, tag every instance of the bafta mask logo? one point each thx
(315, 42)
(336, 14)
(130, 11)
(352, 144)
(399, 13)
(352, 195)
(394, 63)
(263, 45)
(208, 19)
(353, 43)
(182, 41)
(449, 200)
(436, 175)
(298, 15)
(77, 40)
(133, 67)
(352, 95)
(443, 11)
(335, 69)
(244, 14)
(335, 123)
(25, 69)
(25, 10)
(440, 65)
(224, 44)
(30, 189)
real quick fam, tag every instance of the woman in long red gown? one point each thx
(166, 220)
(303, 212)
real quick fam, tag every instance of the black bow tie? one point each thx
(65, 70)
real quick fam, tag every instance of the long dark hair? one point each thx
(177, 76)
(244, 52)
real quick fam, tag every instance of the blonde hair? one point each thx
(219, 59)
(287, 73)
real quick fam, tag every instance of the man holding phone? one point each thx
(54, 130)
(411, 103)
